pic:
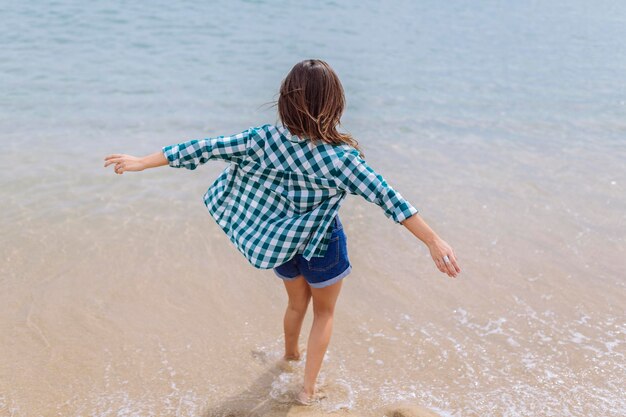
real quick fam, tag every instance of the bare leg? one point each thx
(324, 300)
(299, 294)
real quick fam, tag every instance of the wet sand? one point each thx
(121, 296)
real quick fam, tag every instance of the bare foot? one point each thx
(303, 398)
(294, 356)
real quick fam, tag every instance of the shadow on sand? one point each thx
(256, 401)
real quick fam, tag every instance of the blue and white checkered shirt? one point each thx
(280, 193)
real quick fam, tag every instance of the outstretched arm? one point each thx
(357, 177)
(125, 163)
(440, 251)
(188, 154)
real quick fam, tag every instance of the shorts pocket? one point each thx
(330, 258)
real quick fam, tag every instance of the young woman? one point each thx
(279, 197)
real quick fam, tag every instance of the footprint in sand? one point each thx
(407, 410)
(264, 357)
(259, 355)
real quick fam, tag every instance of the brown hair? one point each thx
(311, 103)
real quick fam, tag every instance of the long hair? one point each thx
(311, 103)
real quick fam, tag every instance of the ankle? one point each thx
(295, 353)
(309, 391)
(292, 356)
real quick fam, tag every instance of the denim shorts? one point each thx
(321, 271)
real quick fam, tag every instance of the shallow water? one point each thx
(502, 123)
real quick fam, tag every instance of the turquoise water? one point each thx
(504, 123)
(123, 67)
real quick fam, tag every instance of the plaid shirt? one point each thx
(280, 193)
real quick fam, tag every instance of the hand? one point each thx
(438, 249)
(124, 163)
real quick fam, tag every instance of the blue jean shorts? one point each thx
(321, 271)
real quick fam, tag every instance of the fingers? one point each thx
(119, 167)
(441, 265)
(449, 268)
(112, 160)
(454, 263)
(119, 160)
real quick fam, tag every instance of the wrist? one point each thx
(430, 240)
(144, 163)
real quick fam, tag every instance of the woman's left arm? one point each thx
(125, 163)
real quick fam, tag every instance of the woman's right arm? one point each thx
(188, 154)
(125, 163)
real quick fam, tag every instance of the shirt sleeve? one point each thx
(358, 178)
(195, 152)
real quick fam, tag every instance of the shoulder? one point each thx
(342, 158)
(346, 154)
(259, 130)
(346, 151)
(269, 131)
(264, 139)
(256, 136)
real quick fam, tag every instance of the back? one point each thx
(298, 172)
(280, 193)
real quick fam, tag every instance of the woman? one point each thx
(278, 201)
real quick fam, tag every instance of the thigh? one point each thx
(298, 291)
(325, 298)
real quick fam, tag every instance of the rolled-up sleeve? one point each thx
(195, 152)
(356, 177)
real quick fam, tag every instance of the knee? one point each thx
(323, 313)
(298, 307)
